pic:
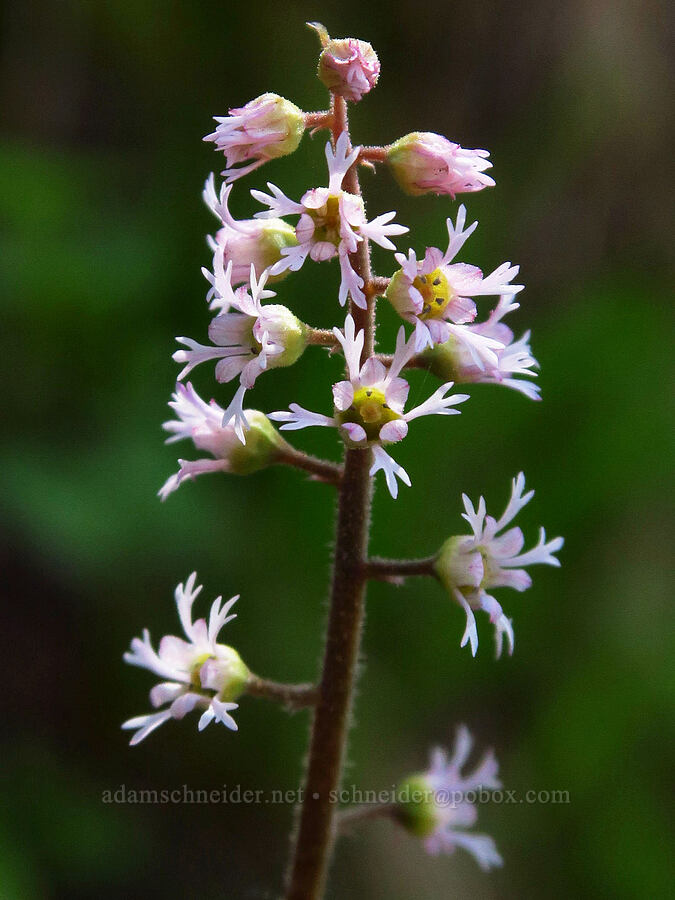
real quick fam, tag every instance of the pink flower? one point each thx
(349, 67)
(201, 673)
(470, 566)
(246, 242)
(248, 341)
(266, 128)
(436, 296)
(454, 360)
(424, 162)
(332, 223)
(369, 407)
(453, 811)
(203, 424)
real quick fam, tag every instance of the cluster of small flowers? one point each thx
(435, 294)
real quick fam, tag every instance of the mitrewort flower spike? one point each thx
(439, 805)
(434, 294)
(245, 242)
(202, 423)
(369, 406)
(248, 341)
(347, 66)
(198, 673)
(266, 128)
(470, 566)
(426, 163)
(332, 222)
(454, 360)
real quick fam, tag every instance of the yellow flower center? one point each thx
(370, 410)
(436, 293)
(327, 224)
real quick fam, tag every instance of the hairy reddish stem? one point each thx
(319, 469)
(292, 696)
(398, 569)
(316, 829)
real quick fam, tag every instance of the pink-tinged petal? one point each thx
(298, 417)
(354, 431)
(229, 368)
(433, 258)
(350, 283)
(343, 395)
(322, 251)
(145, 725)
(470, 635)
(304, 230)
(481, 847)
(423, 337)
(439, 331)
(166, 692)
(457, 235)
(189, 469)
(392, 470)
(372, 372)
(461, 310)
(352, 346)
(394, 431)
(292, 258)
(508, 544)
(251, 370)
(184, 704)
(396, 394)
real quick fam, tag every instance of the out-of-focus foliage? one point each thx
(101, 166)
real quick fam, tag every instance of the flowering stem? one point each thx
(418, 361)
(320, 469)
(398, 569)
(317, 827)
(293, 696)
(322, 337)
(347, 817)
(378, 286)
(373, 154)
(321, 119)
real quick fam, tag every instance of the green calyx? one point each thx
(416, 809)
(287, 118)
(223, 672)
(291, 330)
(443, 360)
(404, 163)
(458, 568)
(274, 237)
(238, 675)
(262, 447)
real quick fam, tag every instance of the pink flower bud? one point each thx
(424, 162)
(266, 128)
(347, 66)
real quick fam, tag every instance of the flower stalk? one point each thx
(451, 338)
(316, 829)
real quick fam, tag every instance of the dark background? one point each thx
(101, 166)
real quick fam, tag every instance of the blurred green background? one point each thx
(102, 226)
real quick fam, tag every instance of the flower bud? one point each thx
(202, 423)
(423, 163)
(347, 66)
(256, 242)
(266, 128)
